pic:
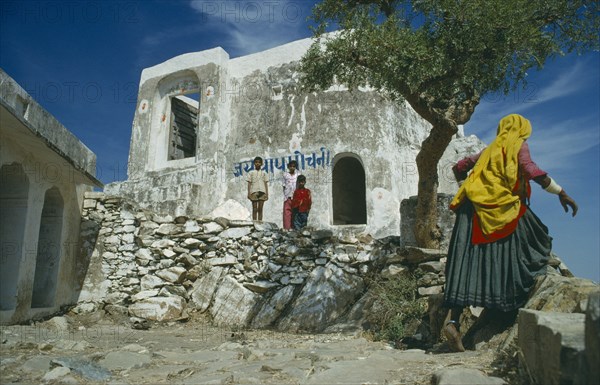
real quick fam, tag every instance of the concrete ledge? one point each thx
(18, 103)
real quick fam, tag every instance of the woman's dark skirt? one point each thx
(496, 275)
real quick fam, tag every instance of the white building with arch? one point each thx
(202, 117)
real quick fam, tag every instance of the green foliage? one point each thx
(443, 52)
(396, 310)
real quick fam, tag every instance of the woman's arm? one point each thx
(462, 167)
(552, 187)
(531, 171)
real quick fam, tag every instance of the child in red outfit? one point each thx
(301, 203)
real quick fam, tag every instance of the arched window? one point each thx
(48, 250)
(183, 127)
(349, 192)
(14, 191)
(174, 128)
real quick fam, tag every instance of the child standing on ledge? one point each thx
(301, 203)
(289, 186)
(258, 188)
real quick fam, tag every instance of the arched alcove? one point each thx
(349, 191)
(14, 192)
(178, 93)
(48, 250)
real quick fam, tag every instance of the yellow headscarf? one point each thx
(491, 183)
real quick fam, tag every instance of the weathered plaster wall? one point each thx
(41, 193)
(185, 185)
(252, 106)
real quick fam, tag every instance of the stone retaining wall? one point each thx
(156, 267)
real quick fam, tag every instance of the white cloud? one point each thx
(555, 145)
(562, 82)
(160, 38)
(253, 26)
(565, 122)
(567, 84)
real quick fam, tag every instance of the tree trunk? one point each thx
(427, 232)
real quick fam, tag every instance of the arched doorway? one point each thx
(349, 191)
(14, 192)
(48, 250)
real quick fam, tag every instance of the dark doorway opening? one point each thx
(48, 250)
(14, 192)
(349, 192)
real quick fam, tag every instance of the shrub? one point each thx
(397, 311)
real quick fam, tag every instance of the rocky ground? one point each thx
(93, 349)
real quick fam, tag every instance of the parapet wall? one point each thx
(161, 268)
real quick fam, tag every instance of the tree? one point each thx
(442, 57)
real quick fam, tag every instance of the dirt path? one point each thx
(75, 350)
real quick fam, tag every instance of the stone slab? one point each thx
(464, 376)
(233, 303)
(552, 345)
(592, 337)
(158, 308)
(125, 360)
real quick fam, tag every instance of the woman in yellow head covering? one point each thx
(498, 245)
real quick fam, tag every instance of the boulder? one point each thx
(158, 308)
(552, 345)
(561, 294)
(232, 210)
(147, 228)
(233, 303)
(327, 294)
(592, 337)
(356, 320)
(273, 308)
(551, 293)
(204, 289)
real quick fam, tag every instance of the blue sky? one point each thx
(82, 62)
